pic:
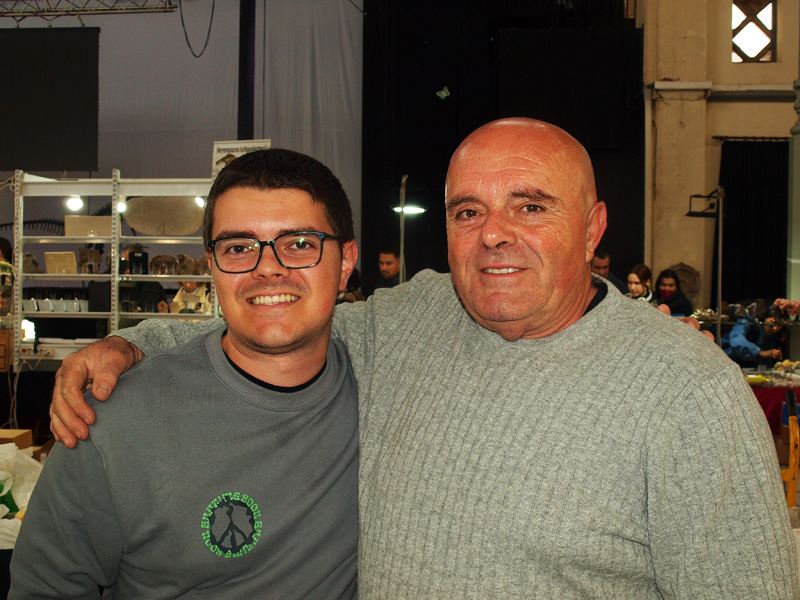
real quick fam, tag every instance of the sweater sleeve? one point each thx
(70, 542)
(369, 329)
(717, 514)
(154, 335)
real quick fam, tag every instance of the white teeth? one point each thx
(501, 271)
(269, 300)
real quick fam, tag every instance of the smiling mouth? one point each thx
(501, 271)
(270, 300)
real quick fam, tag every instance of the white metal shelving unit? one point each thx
(28, 186)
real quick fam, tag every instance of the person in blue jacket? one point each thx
(751, 344)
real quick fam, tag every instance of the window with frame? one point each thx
(753, 30)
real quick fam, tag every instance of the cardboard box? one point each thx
(87, 226)
(21, 437)
(60, 262)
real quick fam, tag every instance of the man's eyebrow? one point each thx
(456, 201)
(536, 194)
(248, 233)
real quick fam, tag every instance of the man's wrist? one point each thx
(128, 347)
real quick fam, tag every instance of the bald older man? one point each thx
(526, 431)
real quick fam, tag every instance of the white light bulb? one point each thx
(410, 209)
(74, 203)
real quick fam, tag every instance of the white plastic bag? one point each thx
(18, 475)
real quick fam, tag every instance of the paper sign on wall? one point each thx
(225, 152)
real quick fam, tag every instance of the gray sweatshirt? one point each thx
(198, 482)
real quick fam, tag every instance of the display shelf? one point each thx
(62, 239)
(162, 187)
(158, 315)
(707, 325)
(160, 278)
(66, 276)
(42, 314)
(29, 188)
(35, 186)
(153, 239)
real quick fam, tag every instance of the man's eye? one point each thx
(532, 208)
(302, 245)
(237, 249)
(467, 213)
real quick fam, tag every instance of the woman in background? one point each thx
(668, 291)
(639, 283)
(6, 276)
(6, 253)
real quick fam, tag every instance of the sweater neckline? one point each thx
(579, 328)
(321, 389)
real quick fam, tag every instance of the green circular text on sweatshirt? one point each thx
(231, 524)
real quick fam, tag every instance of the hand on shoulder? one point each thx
(96, 367)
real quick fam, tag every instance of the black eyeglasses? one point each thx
(296, 250)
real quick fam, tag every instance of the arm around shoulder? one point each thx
(154, 335)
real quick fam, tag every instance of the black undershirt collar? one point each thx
(271, 387)
(602, 290)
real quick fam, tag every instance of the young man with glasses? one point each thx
(230, 466)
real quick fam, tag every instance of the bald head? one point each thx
(523, 221)
(543, 145)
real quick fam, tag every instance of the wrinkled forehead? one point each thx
(501, 159)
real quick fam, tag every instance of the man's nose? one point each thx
(269, 264)
(498, 229)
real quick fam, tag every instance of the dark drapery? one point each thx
(755, 177)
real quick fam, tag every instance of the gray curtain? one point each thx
(310, 100)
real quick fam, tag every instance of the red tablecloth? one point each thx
(771, 401)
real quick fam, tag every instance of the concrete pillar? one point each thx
(676, 49)
(793, 241)
(680, 171)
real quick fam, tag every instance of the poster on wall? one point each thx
(225, 152)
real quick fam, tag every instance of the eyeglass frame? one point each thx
(261, 243)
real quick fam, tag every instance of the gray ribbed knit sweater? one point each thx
(624, 457)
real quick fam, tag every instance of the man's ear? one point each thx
(349, 258)
(597, 223)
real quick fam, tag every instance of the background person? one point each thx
(6, 276)
(191, 297)
(668, 291)
(639, 283)
(6, 251)
(352, 293)
(601, 265)
(389, 266)
(751, 344)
